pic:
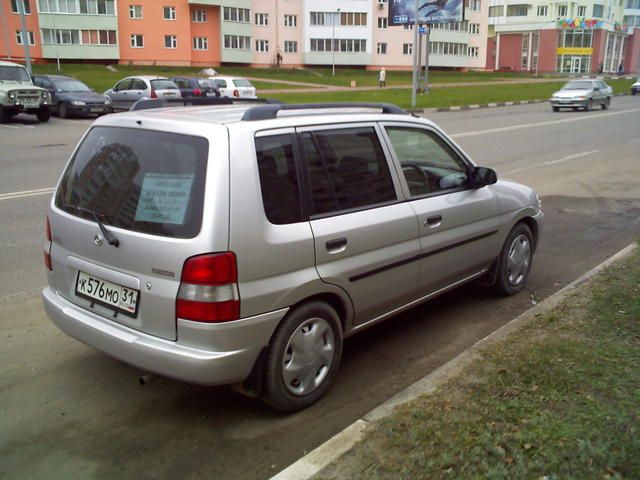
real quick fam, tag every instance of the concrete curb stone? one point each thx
(312, 463)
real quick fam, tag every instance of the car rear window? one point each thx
(163, 85)
(140, 180)
(242, 82)
(205, 83)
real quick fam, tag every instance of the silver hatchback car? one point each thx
(131, 89)
(241, 244)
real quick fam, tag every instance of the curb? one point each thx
(342, 442)
(458, 108)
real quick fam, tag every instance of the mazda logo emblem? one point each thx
(98, 240)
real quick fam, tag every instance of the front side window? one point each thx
(278, 179)
(428, 163)
(347, 170)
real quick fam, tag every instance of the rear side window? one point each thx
(163, 85)
(278, 179)
(140, 180)
(347, 169)
(242, 82)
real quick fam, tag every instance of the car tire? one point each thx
(44, 115)
(303, 357)
(556, 109)
(3, 115)
(606, 103)
(589, 105)
(514, 262)
(63, 111)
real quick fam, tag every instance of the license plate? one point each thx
(121, 299)
(97, 109)
(211, 94)
(169, 94)
(30, 103)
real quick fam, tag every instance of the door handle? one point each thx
(433, 221)
(337, 245)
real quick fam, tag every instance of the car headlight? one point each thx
(539, 200)
(78, 103)
(107, 101)
(11, 95)
(579, 98)
(554, 97)
(44, 94)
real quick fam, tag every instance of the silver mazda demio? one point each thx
(241, 244)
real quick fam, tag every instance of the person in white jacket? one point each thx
(382, 78)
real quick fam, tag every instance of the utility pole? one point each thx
(25, 36)
(416, 59)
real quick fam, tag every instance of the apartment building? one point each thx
(583, 36)
(11, 41)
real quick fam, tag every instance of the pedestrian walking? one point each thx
(382, 78)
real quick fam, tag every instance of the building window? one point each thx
(524, 54)
(98, 37)
(474, 28)
(200, 43)
(517, 10)
(381, 48)
(135, 11)
(169, 13)
(598, 10)
(290, 46)
(452, 26)
(496, 11)
(320, 18)
(262, 46)
(542, 11)
(562, 10)
(59, 6)
(344, 45)
(32, 38)
(290, 20)
(448, 48)
(262, 19)
(25, 3)
(199, 16)
(473, 52)
(353, 18)
(237, 42)
(137, 40)
(382, 22)
(407, 48)
(170, 41)
(233, 14)
(474, 5)
(408, 26)
(582, 10)
(89, 7)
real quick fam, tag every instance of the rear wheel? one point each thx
(43, 115)
(303, 359)
(63, 111)
(514, 262)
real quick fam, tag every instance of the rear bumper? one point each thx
(206, 354)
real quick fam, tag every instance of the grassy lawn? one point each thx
(557, 399)
(442, 97)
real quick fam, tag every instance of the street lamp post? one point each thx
(333, 42)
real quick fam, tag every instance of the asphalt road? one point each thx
(67, 411)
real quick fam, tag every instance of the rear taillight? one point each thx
(153, 93)
(197, 92)
(209, 289)
(47, 247)
(236, 93)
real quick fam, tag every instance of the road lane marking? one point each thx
(553, 162)
(9, 126)
(26, 193)
(540, 124)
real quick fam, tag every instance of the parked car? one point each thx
(233, 244)
(635, 88)
(583, 93)
(196, 87)
(19, 94)
(69, 96)
(234, 87)
(131, 89)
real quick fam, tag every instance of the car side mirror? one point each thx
(596, 88)
(482, 176)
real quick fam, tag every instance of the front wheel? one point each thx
(589, 105)
(43, 115)
(63, 111)
(303, 358)
(606, 103)
(515, 260)
(556, 109)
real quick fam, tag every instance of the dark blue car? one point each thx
(196, 87)
(69, 96)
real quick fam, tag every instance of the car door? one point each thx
(118, 93)
(458, 224)
(366, 237)
(138, 90)
(222, 86)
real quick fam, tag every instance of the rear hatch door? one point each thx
(144, 190)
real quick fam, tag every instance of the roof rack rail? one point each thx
(151, 103)
(266, 112)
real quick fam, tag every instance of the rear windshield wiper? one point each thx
(96, 216)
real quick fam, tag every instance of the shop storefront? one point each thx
(574, 51)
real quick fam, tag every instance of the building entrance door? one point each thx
(576, 65)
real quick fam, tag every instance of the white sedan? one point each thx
(237, 87)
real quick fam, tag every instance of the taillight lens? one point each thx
(153, 93)
(47, 247)
(236, 93)
(197, 92)
(209, 289)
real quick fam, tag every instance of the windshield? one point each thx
(242, 82)
(140, 180)
(577, 86)
(17, 74)
(163, 85)
(71, 86)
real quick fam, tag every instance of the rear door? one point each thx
(366, 238)
(458, 224)
(147, 188)
(119, 94)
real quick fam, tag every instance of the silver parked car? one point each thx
(583, 93)
(131, 89)
(635, 88)
(241, 244)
